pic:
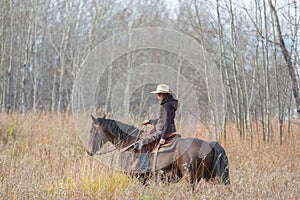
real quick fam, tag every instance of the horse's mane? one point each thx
(119, 129)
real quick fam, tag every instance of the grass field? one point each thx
(41, 157)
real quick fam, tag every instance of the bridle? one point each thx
(117, 145)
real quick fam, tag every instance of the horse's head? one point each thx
(97, 137)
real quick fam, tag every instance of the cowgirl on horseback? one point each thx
(165, 124)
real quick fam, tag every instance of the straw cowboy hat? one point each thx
(162, 88)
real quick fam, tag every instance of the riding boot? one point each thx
(137, 147)
(143, 164)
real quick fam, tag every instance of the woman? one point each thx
(165, 124)
(168, 105)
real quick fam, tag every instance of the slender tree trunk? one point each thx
(244, 96)
(35, 57)
(278, 90)
(222, 63)
(9, 71)
(260, 53)
(266, 78)
(289, 115)
(61, 82)
(53, 93)
(23, 96)
(236, 73)
(2, 68)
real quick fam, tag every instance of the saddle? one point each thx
(170, 144)
(171, 137)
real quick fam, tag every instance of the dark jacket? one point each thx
(165, 123)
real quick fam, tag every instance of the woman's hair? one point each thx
(165, 95)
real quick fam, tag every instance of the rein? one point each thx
(117, 144)
(105, 152)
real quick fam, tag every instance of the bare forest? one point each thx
(252, 107)
(255, 46)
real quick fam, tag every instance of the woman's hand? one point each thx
(146, 122)
(162, 141)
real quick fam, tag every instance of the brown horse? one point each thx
(192, 158)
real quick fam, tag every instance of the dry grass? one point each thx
(41, 157)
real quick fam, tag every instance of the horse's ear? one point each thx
(94, 119)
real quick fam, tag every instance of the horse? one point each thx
(192, 158)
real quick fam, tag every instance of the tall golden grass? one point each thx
(41, 157)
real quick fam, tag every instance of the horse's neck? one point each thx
(120, 137)
(119, 142)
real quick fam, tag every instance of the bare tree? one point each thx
(287, 57)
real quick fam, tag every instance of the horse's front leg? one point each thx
(127, 161)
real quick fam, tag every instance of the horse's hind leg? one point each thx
(192, 173)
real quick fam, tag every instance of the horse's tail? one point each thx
(220, 163)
